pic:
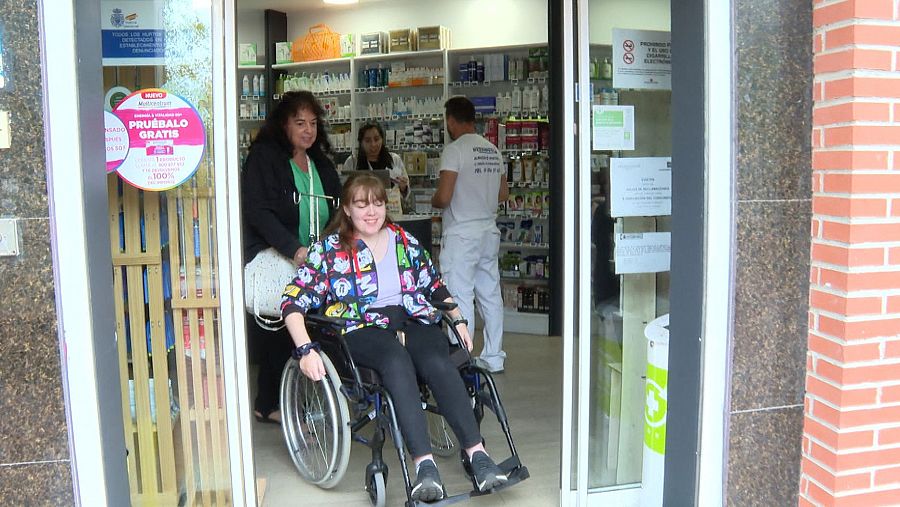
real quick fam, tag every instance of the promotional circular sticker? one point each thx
(166, 139)
(116, 141)
(115, 95)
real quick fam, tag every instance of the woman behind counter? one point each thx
(371, 154)
(287, 162)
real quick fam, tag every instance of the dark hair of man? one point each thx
(291, 103)
(384, 157)
(460, 109)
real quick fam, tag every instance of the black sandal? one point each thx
(265, 418)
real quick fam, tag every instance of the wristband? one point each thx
(304, 349)
(459, 321)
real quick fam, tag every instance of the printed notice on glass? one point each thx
(166, 139)
(117, 144)
(132, 32)
(613, 127)
(640, 186)
(643, 252)
(642, 59)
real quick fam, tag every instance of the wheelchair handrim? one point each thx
(315, 417)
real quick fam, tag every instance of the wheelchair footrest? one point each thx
(516, 472)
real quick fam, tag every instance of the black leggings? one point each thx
(427, 354)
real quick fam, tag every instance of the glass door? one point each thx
(623, 183)
(167, 177)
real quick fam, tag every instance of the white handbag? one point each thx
(265, 278)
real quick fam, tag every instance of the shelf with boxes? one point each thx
(510, 89)
(252, 103)
(509, 80)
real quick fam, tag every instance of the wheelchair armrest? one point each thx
(443, 306)
(322, 320)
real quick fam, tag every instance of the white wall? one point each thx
(473, 23)
(251, 28)
(636, 14)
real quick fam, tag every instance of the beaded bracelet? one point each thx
(304, 349)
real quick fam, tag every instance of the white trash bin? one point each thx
(655, 405)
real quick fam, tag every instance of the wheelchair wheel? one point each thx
(377, 489)
(316, 424)
(443, 442)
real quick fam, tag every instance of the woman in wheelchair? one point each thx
(377, 276)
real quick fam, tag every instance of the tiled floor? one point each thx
(531, 390)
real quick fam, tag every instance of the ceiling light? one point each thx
(341, 2)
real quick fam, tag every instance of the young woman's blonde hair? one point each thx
(363, 187)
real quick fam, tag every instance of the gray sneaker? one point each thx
(428, 486)
(481, 363)
(486, 473)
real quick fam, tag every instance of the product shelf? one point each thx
(401, 117)
(535, 185)
(516, 279)
(507, 82)
(524, 246)
(315, 63)
(383, 89)
(402, 55)
(494, 49)
(524, 214)
(251, 67)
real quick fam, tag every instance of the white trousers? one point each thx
(469, 267)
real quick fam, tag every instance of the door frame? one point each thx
(72, 95)
(77, 195)
(702, 258)
(84, 302)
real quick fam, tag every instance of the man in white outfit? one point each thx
(472, 182)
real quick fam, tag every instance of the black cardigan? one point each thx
(270, 217)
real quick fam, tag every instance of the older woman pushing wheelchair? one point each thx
(377, 276)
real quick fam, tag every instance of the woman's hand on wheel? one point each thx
(463, 331)
(300, 255)
(311, 365)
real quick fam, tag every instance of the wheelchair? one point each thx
(321, 419)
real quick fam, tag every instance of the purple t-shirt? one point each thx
(388, 276)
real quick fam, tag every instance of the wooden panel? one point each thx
(119, 291)
(199, 363)
(178, 452)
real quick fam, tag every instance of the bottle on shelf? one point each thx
(262, 85)
(545, 97)
(245, 85)
(255, 85)
(606, 69)
(516, 106)
(363, 78)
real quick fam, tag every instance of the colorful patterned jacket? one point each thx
(348, 286)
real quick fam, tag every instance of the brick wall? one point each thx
(851, 439)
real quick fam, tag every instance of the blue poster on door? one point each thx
(133, 32)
